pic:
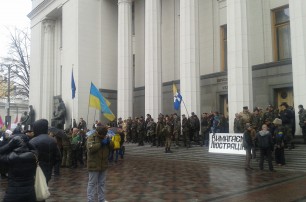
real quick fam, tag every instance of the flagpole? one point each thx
(88, 103)
(95, 116)
(72, 111)
(185, 108)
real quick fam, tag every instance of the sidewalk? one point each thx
(150, 179)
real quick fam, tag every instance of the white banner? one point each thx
(227, 143)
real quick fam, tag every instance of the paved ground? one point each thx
(153, 179)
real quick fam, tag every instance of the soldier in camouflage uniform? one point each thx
(186, 130)
(134, 130)
(67, 149)
(176, 128)
(269, 115)
(256, 121)
(223, 124)
(194, 127)
(238, 128)
(205, 126)
(129, 129)
(302, 119)
(245, 117)
(151, 134)
(159, 132)
(286, 115)
(167, 131)
(141, 129)
(147, 136)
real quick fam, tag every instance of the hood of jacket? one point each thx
(263, 132)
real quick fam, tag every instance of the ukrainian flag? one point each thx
(96, 100)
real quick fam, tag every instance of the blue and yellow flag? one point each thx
(177, 98)
(96, 100)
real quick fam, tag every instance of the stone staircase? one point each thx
(295, 159)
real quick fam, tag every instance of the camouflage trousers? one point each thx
(168, 142)
(176, 137)
(186, 139)
(288, 135)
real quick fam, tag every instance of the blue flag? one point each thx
(73, 87)
(177, 98)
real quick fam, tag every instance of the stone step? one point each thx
(295, 159)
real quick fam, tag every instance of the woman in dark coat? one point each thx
(19, 156)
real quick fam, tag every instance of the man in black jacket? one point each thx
(195, 127)
(265, 144)
(19, 156)
(287, 117)
(48, 151)
(248, 145)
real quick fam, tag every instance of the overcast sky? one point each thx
(13, 13)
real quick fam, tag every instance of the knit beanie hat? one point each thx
(40, 127)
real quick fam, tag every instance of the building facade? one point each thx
(221, 54)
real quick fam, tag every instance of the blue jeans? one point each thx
(96, 181)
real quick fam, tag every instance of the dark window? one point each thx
(224, 48)
(282, 41)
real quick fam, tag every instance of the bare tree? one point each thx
(18, 63)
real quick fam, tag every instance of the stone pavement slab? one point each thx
(139, 178)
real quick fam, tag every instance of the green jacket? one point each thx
(97, 155)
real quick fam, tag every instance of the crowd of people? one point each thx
(171, 128)
(266, 131)
(269, 131)
(55, 149)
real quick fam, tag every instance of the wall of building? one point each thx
(168, 40)
(212, 86)
(58, 55)
(139, 102)
(35, 71)
(206, 37)
(267, 78)
(69, 57)
(139, 43)
(89, 50)
(108, 48)
(86, 38)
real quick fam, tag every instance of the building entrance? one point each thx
(284, 95)
(224, 104)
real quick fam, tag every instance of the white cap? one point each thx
(8, 132)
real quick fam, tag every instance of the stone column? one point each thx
(47, 77)
(297, 10)
(240, 92)
(189, 56)
(125, 69)
(153, 72)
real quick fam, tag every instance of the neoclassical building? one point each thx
(221, 54)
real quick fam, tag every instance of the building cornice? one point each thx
(272, 64)
(39, 8)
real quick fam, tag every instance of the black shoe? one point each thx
(272, 170)
(3, 176)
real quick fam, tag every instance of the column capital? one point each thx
(48, 25)
(125, 1)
